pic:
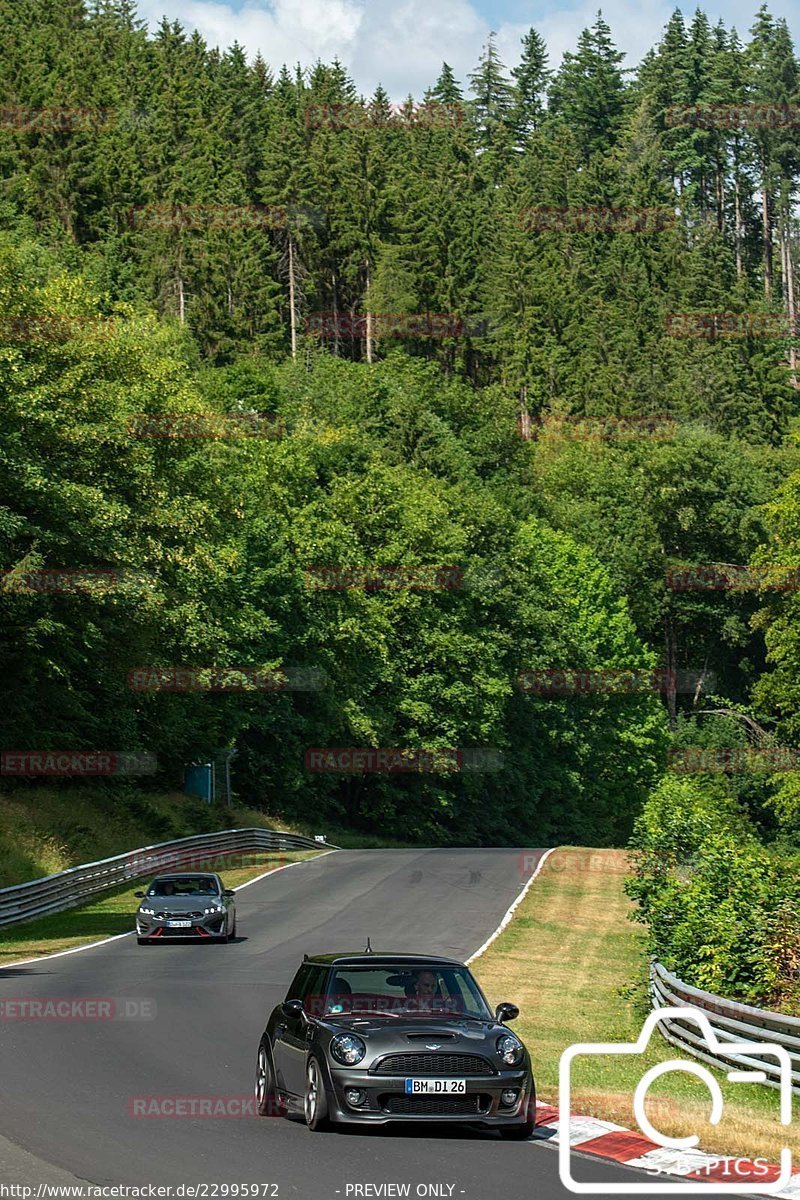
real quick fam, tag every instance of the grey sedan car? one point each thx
(186, 905)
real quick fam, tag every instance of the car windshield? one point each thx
(400, 991)
(186, 885)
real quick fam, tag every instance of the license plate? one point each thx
(179, 924)
(435, 1087)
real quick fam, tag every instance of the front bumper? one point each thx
(206, 926)
(386, 1099)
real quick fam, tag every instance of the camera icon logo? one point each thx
(745, 1053)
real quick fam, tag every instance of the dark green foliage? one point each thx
(223, 204)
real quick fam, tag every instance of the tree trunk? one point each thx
(292, 315)
(737, 211)
(788, 287)
(335, 316)
(524, 414)
(369, 319)
(671, 682)
(766, 230)
(181, 301)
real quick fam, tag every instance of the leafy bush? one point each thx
(722, 909)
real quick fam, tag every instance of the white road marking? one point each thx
(507, 918)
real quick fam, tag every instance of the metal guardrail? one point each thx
(54, 893)
(730, 1020)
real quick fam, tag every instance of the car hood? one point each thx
(394, 1035)
(178, 904)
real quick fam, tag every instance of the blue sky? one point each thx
(401, 43)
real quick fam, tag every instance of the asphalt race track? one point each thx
(66, 1086)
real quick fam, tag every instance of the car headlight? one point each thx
(348, 1049)
(147, 912)
(215, 908)
(509, 1048)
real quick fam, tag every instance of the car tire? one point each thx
(266, 1095)
(315, 1100)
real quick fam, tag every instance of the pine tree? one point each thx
(531, 78)
(588, 93)
(493, 92)
(446, 90)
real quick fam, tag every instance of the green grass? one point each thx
(576, 965)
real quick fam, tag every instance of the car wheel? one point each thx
(266, 1095)
(315, 1103)
(233, 934)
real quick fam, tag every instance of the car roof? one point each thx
(376, 958)
(187, 875)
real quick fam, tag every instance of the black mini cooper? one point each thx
(372, 1038)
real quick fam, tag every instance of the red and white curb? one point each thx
(617, 1144)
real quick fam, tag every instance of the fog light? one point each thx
(508, 1097)
(354, 1097)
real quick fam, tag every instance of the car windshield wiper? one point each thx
(444, 1012)
(368, 1012)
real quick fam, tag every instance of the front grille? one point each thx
(434, 1106)
(447, 1065)
(179, 916)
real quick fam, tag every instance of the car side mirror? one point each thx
(292, 1009)
(229, 892)
(506, 1012)
(139, 895)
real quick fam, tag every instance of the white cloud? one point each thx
(401, 43)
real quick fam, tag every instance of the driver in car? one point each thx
(425, 983)
(423, 991)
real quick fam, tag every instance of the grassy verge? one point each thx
(574, 963)
(47, 829)
(113, 912)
